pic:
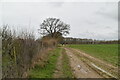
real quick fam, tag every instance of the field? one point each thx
(106, 52)
(29, 58)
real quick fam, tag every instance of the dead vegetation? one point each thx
(19, 52)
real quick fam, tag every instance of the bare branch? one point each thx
(53, 26)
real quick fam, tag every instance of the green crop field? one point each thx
(106, 52)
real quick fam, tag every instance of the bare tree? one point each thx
(54, 27)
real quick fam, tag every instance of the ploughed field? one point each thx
(106, 52)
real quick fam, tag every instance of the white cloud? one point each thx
(93, 17)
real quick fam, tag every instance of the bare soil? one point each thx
(104, 65)
(79, 68)
(91, 67)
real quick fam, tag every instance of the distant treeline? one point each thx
(70, 40)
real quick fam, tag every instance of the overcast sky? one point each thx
(96, 20)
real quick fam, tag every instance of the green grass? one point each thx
(66, 66)
(48, 70)
(106, 52)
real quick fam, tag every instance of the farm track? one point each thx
(83, 66)
(79, 68)
(93, 58)
(105, 69)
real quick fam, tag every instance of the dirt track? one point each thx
(86, 66)
(79, 68)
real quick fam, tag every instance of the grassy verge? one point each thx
(48, 70)
(106, 52)
(67, 72)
